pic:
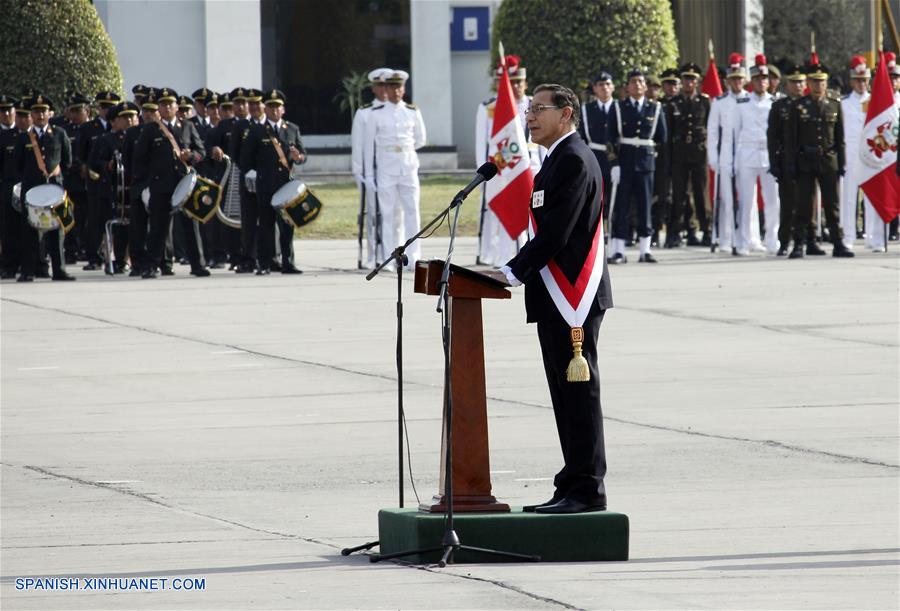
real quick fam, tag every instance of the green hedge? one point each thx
(568, 41)
(55, 46)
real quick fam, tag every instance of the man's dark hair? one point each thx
(563, 97)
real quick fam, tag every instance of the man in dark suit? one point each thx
(139, 219)
(636, 128)
(567, 292)
(163, 154)
(272, 148)
(41, 168)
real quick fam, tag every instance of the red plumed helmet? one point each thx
(735, 59)
(761, 59)
(858, 67)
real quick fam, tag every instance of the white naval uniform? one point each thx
(854, 120)
(393, 133)
(357, 167)
(718, 124)
(496, 247)
(749, 162)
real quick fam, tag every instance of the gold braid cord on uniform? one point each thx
(39, 157)
(279, 150)
(176, 150)
(578, 370)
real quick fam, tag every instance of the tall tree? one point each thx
(568, 42)
(55, 46)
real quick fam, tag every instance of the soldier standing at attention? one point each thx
(662, 188)
(271, 148)
(787, 186)
(78, 113)
(393, 132)
(815, 154)
(719, 123)
(747, 159)
(688, 113)
(594, 128)
(853, 107)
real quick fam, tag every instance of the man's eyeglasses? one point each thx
(536, 110)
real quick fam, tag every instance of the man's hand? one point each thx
(217, 153)
(186, 155)
(370, 185)
(615, 173)
(296, 156)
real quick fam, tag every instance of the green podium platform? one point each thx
(579, 537)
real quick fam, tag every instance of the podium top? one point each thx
(464, 282)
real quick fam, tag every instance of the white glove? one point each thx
(370, 185)
(359, 180)
(614, 174)
(714, 166)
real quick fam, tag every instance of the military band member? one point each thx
(243, 121)
(218, 142)
(720, 114)
(41, 155)
(374, 246)
(77, 115)
(139, 219)
(393, 132)
(636, 128)
(746, 157)
(89, 133)
(853, 107)
(272, 148)
(815, 154)
(662, 178)
(787, 186)
(106, 155)
(163, 153)
(10, 220)
(594, 128)
(139, 94)
(495, 245)
(688, 113)
(201, 117)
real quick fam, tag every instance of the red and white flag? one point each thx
(878, 148)
(712, 87)
(509, 192)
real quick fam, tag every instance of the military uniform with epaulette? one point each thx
(594, 130)
(76, 186)
(687, 117)
(56, 151)
(249, 210)
(10, 220)
(155, 159)
(267, 149)
(815, 154)
(664, 187)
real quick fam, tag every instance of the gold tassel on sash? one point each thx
(578, 370)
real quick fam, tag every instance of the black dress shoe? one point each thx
(90, 267)
(134, 273)
(782, 251)
(244, 268)
(63, 276)
(617, 259)
(148, 273)
(290, 269)
(842, 251)
(707, 239)
(262, 272)
(573, 506)
(673, 242)
(275, 266)
(531, 508)
(692, 240)
(200, 272)
(25, 278)
(215, 265)
(797, 252)
(167, 271)
(814, 249)
(646, 258)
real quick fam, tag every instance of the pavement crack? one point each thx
(500, 584)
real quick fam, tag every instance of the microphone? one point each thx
(486, 172)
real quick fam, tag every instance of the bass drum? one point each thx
(296, 203)
(49, 208)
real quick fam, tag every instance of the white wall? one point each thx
(430, 67)
(185, 44)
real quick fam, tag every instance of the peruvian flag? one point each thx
(878, 148)
(509, 192)
(712, 87)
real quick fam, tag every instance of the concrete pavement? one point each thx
(241, 430)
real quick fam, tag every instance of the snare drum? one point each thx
(183, 190)
(296, 203)
(17, 197)
(49, 208)
(250, 181)
(203, 201)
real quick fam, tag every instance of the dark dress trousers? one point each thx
(249, 211)
(10, 220)
(571, 181)
(154, 158)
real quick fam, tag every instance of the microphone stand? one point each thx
(450, 542)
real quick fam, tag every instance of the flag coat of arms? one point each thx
(878, 148)
(508, 194)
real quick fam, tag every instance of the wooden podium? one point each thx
(471, 462)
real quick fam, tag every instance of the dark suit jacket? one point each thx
(154, 158)
(571, 181)
(102, 156)
(56, 149)
(636, 125)
(87, 136)
(135, 182)
(258, 153)
(219, 136)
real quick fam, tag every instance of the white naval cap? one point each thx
(377, 75)
(396, 76)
